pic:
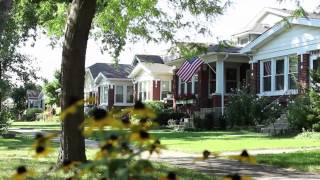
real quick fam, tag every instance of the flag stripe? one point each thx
(188, 69)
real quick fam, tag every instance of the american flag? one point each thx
(188, 68)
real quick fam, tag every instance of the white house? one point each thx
(152, 78)
(282, 57)
(109, 85)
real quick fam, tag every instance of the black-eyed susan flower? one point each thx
(139, 109)
(42, 151)
(206, 154)
(141, 136)
(244, 157)
(43, 139)
(237, 177)
(107, 149)
(22, 173)
(170, 176)
(156, 147)
(100, 118)
(68, 165)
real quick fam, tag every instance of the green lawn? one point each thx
(303, 161)
(41, 125)
(228, 141)
(17, 151)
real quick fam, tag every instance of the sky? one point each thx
(235, 18)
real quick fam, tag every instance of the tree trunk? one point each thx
(5, 6)
(73, 71)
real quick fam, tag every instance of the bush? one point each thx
(316, 127)
(248, 109)
(208, 123)
(163, 112)
(31, 114)
(5, 118)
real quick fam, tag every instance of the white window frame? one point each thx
(115, 94)
(126, 93)
(147, 90)
(273, 91)
(161, 98)
(288, 74)
(193, 91)
(103, 96)
(284, 72)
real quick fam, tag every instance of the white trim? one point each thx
(273, 91)
(161, 98)
(278, 28)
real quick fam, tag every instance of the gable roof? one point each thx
(277, 29)
(147, 58)
(151, 68)
(33, 94)
(110, 70)
(217, 48)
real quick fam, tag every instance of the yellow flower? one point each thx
(100, 118)
(42, 151)
(156, 147)
(237, 177)
(106, 150)
(67, 165)
(170, 176)
(206, 154)
(22, 173)
(141, 110)
(244, 157)
(140, 136)
(43, 140)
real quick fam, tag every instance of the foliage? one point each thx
(247, 109)
(5, 119)
(208, 123)
(51, 89)
(304, 111)
(308, 135)
(163, 112)
(31, 114)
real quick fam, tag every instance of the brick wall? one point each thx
(303, 74)
(110, 96)
(255, 78)
(155, 90)
(203, 78)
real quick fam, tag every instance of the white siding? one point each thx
(297, 39)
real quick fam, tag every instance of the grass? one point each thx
(196, 142)
(303, 161)
(41, 125)
(17, 151)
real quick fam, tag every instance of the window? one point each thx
(212, 80)
(195, 84)
(119, 94)
(103, 94)
(189, 87)
(315, 64)
(279, 77)
(267, 76)
(293, 72)
(165, 89)
(143, 90)
(182, 84)
(231, 80)
(129, 94)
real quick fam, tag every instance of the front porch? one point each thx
(219, 77)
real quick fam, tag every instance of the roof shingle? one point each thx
(111, 70)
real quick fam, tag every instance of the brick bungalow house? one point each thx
(152, 78)
(109, 85)
(270, 56)
(282, 57)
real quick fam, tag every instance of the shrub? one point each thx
(163, 112)
(316, 127)
(5, 118)
(208, 123)
(248, 109)
(31, 114)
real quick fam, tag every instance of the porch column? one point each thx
(219, 77)
(218, 97)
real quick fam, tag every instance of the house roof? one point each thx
(312, 15)
(151, 68)
(110, 70)
(139, 58)
(33, 94)
(219, 48)
(277, 29)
